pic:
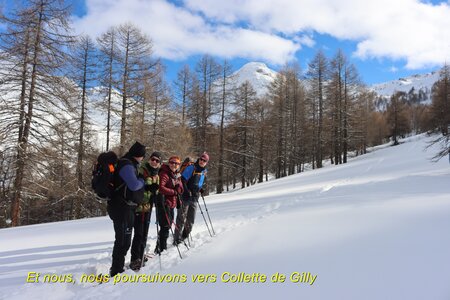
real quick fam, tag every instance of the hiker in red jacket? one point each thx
(170, 187)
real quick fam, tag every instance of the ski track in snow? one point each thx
(383, 187)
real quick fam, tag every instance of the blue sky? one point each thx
(385, 39)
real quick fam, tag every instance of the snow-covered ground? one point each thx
(375, 228)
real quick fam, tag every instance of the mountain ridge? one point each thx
(261, 76)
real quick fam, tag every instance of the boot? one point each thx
(135, 265)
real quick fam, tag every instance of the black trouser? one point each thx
(165, 218)
(186, 218)
(123, 219)
(141, 225)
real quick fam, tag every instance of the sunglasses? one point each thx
(174, 163)
(155, 160)
(203, 160)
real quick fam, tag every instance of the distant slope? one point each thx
(420, 82)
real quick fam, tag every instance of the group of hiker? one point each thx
(141, 185)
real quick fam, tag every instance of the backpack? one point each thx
(187, 162)
(103, 174)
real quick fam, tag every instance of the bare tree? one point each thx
(108, 72)
(183, 85)
(344, 82)
(42, 35)
(135, 59)
(227, 89)
(440, 111)
(318, 76)
(84, 72)
(397, 117)
(244, 118)
(208, 71)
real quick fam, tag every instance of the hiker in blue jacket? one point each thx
(128, 194)
(193, 178)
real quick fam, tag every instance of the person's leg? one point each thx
(190, 219)
(138, 237)
(123, 221)
(146, 226)
(163, 230)
(181, 219)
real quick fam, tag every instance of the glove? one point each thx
(146, 207)
(201, 191)
(179, 202)
(178, 189)
(153, 188)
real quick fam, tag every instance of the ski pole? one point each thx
(157, 234)
(207, 213)
(184, 220)
(189, 241)
(204, 219)
(144, 225)
(143, 229)
(169, 223)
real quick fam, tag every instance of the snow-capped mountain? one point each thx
(421, 84)
(258, 74)
(261, 76)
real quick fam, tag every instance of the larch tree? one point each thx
(108, 68)
(440, 111)
(42, 30)
(84, 74)
(317, 79)
(135, 59)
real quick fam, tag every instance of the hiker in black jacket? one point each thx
(128, 193)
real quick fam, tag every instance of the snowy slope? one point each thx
(375, 228)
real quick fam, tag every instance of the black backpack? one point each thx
(103, 174)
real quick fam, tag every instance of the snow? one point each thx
(374, 228)
(261, 76)
(420, 82)
(258, 74)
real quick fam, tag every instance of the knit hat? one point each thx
(205, 156)
(156, 154)
(137, 150)
(175, 158)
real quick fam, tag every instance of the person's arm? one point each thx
(163, 189)
(128, 174)
(202, 180)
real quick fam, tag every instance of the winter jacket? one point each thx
(151, 181)
(193, 178)
(129, 189)
(169, 186)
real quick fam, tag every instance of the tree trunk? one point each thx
(23, 144)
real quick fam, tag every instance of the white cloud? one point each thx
(178, 32)
(393, 69)
(274, 30)
(403, 29)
